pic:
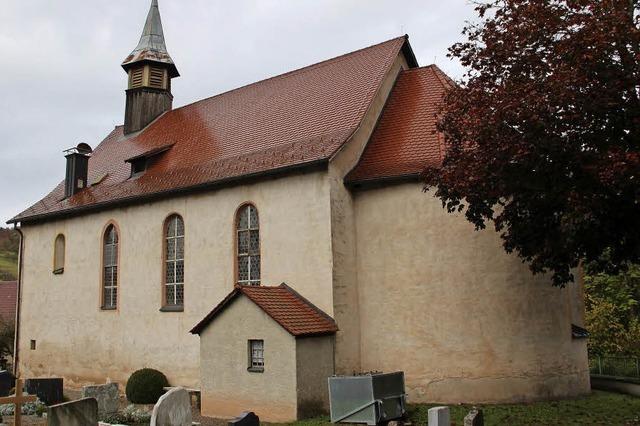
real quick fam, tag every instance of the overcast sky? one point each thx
(61, 81)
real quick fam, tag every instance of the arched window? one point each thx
(58, 254)
(174, 261)
(248, 246)
(110, 268)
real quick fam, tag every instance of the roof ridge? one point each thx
(308, 303)
(444, 79)
(256, 287)
(316, 64)
(409, 70)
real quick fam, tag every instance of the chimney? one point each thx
(77, 169)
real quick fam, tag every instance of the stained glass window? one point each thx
(248, 246)
(174, 261)
(110, 269)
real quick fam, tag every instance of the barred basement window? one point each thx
(136, 78)
(110, 268)
(256, 355)
(174, 261)
(248, 246)
(156, 78)
(58, 255)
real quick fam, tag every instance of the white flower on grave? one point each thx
(28, 408)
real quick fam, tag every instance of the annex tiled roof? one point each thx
(8, 294)
(288, 308)
(288, 121)
(405, 140)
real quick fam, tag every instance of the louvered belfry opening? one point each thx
(136, 78)
(150, 70)
(156, 77)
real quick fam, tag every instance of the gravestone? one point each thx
(83, 412)
(439, 416)
(6, 382)
(247, 418)
(108, 397)
(49, 390)
(474, 418)
(172, 409)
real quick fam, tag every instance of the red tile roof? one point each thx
(8, 294)
(288, 308)
(405, 139)
(296, 119)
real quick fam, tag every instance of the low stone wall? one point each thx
(615, 385)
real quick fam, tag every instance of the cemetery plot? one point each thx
(17, 400)
(83, 412)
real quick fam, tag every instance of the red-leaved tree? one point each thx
(543, 133)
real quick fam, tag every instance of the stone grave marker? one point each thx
(247, 418)
(107, 395)
(172, 409)
(439, 416)
(474, 418)
(49, 390)
(7, 381)
(82, 412)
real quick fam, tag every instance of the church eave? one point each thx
(409, 55)
(151, 58)
(377, 182)
(320, 164)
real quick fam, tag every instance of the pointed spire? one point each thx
(151, 46)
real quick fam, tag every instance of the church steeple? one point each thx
(150, 70)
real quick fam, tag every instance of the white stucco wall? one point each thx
(315, 364)
(78, 341)
(228, 388)
(465, 321)
(343, 238)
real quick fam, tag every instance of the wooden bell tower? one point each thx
(150, 70)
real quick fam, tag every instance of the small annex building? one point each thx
(290, 383)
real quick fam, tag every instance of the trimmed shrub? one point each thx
(146, 386)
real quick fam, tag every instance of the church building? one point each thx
(265, 238)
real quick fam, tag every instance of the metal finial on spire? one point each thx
(151, 46)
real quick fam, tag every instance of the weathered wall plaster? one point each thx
(314, 360)
(464, 320)
(227, 387)
(78, 341)
(343, 229)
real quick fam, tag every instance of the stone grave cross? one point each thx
(18, 399)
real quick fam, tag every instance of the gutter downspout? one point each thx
(16, 345)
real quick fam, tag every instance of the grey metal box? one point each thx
(370, 398)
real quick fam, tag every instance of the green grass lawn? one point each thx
(600, 408)
(8, 265)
